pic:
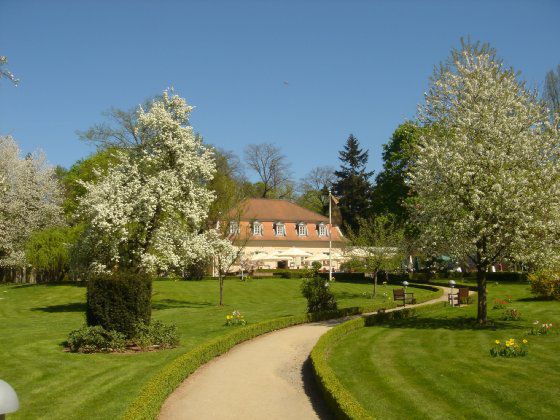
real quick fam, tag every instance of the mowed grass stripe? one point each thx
(438, 365)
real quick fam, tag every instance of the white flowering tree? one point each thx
(30, 200)
(486, 176)
(148, 211)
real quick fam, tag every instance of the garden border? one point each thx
(148, 403)
(341, 402)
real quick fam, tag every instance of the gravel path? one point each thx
(268, 377)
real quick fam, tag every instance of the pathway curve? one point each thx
(268, 377)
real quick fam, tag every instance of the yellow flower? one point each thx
(525, 341)
(497, 341)
(508, 344)
(229, 317)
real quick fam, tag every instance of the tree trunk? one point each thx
(482, 304)
(374, 283)
(221, 290)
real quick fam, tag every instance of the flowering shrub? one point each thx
(499, 304)
(235, 318)
(510, 348)
(545, 284)
(512, 314)
(541, 329)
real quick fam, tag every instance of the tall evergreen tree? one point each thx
(353, 186)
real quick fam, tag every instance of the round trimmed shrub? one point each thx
(119, 301)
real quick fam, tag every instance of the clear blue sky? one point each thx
(351, 66)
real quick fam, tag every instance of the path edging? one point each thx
(338, 398)
(147, 405)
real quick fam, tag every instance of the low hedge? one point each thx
(148, 404)
(338, 398)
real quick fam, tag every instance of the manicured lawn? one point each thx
(35, 320)
(438, 365)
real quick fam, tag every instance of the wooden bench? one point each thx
(461, 296)
(405, 297)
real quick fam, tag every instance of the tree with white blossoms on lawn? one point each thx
(486, 177)
(30, 200)
(148, 212)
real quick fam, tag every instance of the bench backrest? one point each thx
(398, 293)
(463, 292)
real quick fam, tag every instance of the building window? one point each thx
(257, 228)
(302, 229)
(322, 230)
(233, 228)
(280, 229)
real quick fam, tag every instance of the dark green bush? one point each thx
(95, 339)
(348, 277)
(119, 301)
(156, 334)
(318, 294)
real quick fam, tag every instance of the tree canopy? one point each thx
(486, 172)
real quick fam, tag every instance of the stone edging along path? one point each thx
(266, 377)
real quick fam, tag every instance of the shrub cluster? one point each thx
(318, 294)
(119, 301)
(545, 284)
(95, 339)
(156, 334)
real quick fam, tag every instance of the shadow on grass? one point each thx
(50, 284)
(535, 299)
(460, 323)
(162, 304)
(68, 307)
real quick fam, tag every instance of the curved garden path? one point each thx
(265, 378)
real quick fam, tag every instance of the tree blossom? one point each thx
(148, 211)
(30, 200)
(486, 178)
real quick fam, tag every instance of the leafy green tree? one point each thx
(48, 251)
(84, 170)
(376, 246)
(352, 185)
(391, 189)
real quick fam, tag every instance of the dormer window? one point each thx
(322, 229)
(280, 229)
(257, 228)
(233, 228)
(302, 229)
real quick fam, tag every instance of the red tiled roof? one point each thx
(275, 210)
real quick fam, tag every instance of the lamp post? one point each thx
(330, 235)
(452, 285)
(8, 399)
(405, 284)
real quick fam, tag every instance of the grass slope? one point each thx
(438, 365)
(36, 319)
